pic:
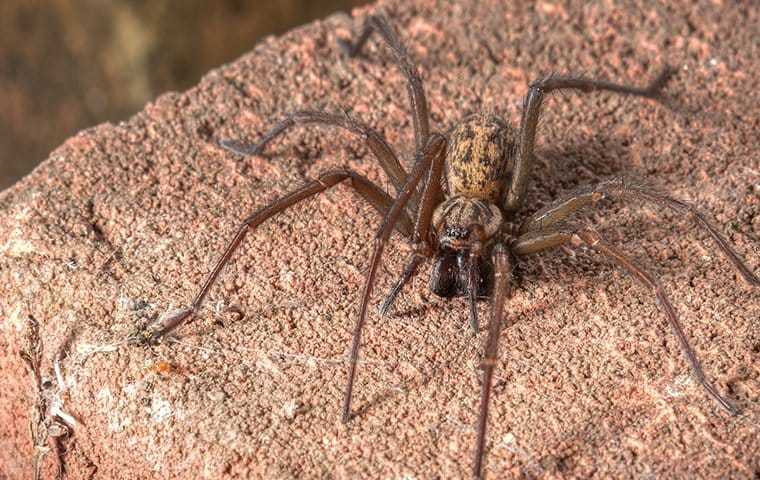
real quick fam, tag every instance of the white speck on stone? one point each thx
(213, 467)
(17, 247)
(216, 395)
(88, 349)
(118, 424)
(104, 395)
(160, 409)
(290, 409)
(219, 307)
(265, 363)
(676, 389)
(286, 278)
(24, 213)
(130, 389)
(125, 303)
(16, 319)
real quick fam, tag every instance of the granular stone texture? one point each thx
(123, 222)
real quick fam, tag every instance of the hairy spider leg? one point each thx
(417, 101)
(364, 187)
(421, 123)
(472, 290)
(374, 140)
(536, 241)
(410, 270)
(422, 242)
(532, 109)
(501, 292)
(426, 160)
(624, 188)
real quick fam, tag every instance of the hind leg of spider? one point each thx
(532, 109)
(379, 24)
(373, 139)
(622, 188)
(368, 190)
(501, 292)
(536, 241)
(430, 159)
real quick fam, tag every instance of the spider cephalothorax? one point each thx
(484, 166)
(466, 222)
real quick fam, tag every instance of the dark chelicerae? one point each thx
(454, 207)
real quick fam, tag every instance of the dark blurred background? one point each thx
(69, 64)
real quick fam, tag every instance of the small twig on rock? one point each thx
(49, 424)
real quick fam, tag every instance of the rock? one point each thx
(123, 222)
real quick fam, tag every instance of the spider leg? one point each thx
(379, 24)
(536, 241)
(422, 243)
(374, 140)
(532, 110)
(561, 209)
(433, 152)
(368, 190)
(415, 259)
(472, 290)
(501, 292)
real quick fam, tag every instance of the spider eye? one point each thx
(457, 233)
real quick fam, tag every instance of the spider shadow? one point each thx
(693, 107)
(580, 163)
(582, 160)
(413, 313)
(407, 317)
(463, 352)
(408, 387)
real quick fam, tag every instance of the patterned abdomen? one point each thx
(481, 152)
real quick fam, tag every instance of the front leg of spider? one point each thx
(368, 190)
(428, 160)
(532, 109)
(503, 266)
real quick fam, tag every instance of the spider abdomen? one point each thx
(481, 151)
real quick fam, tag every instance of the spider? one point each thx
(455, 207)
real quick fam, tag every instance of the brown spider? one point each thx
(472, 185)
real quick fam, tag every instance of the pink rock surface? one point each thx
(123, 222)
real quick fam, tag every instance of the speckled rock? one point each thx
(123, 222)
